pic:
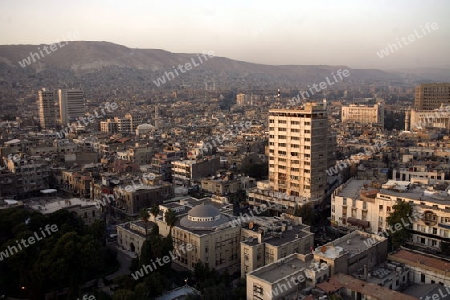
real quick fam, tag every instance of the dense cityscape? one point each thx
(137, 173)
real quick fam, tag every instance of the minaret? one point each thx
(156, 117)
(407, 119)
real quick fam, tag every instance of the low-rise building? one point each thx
(346, 286)
(185, 171)
(353, 252)
(266, 240)
(83, 208)
(425, 268)
(132, 198)
(286, 278)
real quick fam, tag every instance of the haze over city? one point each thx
(267, 32)
(217, 150)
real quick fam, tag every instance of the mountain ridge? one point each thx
(88, 56)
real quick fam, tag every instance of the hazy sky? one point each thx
(346, 32)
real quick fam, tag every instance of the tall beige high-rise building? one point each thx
(298, 151)
(429, 96)
(71, 105)
(47, 105)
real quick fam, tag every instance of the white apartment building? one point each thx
(418, 173)
(364, 114)
(71, 105)
(356, 204)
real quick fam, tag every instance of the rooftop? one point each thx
(352, 244)
(47, 206)
(425, 261)
(353, 188)
(284, 267)
(375, 292)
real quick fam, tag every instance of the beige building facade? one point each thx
(363, 114)
(429, 96)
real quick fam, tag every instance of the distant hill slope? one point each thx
(83, 56)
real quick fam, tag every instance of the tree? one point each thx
(144, 216)
(402, 210)
(154, 210)
(306, 212)
(171, 218)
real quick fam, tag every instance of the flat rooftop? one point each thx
(352, 244)
(48, 206)
(178, 293)
(288, 236)
(425, 261)
(353, 188)
(440, 197)
(375, 292)
(288, 266)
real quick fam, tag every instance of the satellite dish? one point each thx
(250, 225)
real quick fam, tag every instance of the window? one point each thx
(281, 121)
(307, 123)
(271, 121)
(307, 140)
(271, 128)
(282, 137)
(282, 129)
(295, 123)
(282, 152)
(282, 144)
(295, 130)
(381, 207)
(307, 131)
